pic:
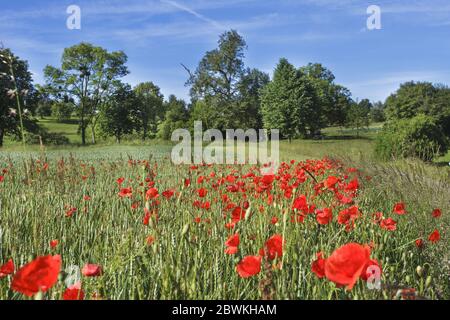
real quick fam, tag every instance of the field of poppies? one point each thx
(130, 225)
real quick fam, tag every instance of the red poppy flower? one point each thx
(38, 275)
(249, 266)
(233, 241)
(168, 194)
(147, 217)
(352, 186)
(434, 236)
(388, 224)
(2, 178)
(92, 270)
(151, 193)
(300, 203)
(436, 213)
(318, 266)
(346, 264)
(70, 212)
(399, 208)
(125, 193)
(7, 268)
(331, 182)
(73, 292)
(120, 181)
(419, 243)
(202, 192)
(53, 243)
(274, 247)
(324, 216)
(237, 215)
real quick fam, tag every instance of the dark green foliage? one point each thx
(419, 137)
(177, 117)
(413, 98)
(149, 108)
(116, 116)
(288, 103)
(229, 91)
(358, 115)
(9, 116)
(377, 112)
(86, 78)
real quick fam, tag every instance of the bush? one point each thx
(418, 137)
(47, 138)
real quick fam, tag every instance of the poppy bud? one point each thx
(408, 279)
(185, 229)
(428, 282)
(419, 271)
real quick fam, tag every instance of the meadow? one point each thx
(122, 222)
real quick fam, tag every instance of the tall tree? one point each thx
(218, 76)
(249, 105)
(333, 100)
(116, 116)
(17, 96)
(358, 115)
(86, 77)
(176, 117)
(288, 102)
(414, 98)
(149, 108)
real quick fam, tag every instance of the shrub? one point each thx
(418, 137)
(47, 138)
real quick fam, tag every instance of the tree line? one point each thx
(225, 94)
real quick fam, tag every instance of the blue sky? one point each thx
(157, 36)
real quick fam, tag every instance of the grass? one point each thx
(186, 258)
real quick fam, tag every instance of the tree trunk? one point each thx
(93, 135)
(144, 136)
(83, 135)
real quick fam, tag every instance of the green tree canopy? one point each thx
(413, 98)
(86, 77)
(149, 108)
(288, 102)
(16, 87)
(116, 114)
(176, 117)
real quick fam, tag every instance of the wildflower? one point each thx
(434, 236)
(92, 270)
(273, 247)
(318, 265)
(7, 268)
(232, 244)
(249, 266)
(388, 224)
(346, 264)
(399, 208)
(40, 274)
(74, 292)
